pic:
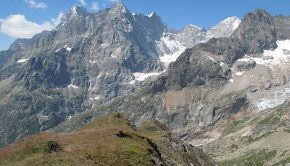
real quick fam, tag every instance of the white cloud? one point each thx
(19, 27)
(34, 4)
(83, 2)
(57, 20)
(95, 6)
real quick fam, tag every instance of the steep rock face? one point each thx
(257, 32)
(88, 59)
(47, 72)
(191, 69)
(282, 27)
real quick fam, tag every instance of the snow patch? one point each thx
(221, 64)
(93, 62)
(239, 73)
(95, 98)
(67, 48)
(69, 117)
(143, 76)
(170, 49)
(278, 98)
(231, 80)
(245, 59)
(151, 14)
(22, 60)
(57, 50)
(168, 58)
(72, 86)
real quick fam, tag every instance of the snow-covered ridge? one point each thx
(194, 26)
(234, 22)
(224, 29)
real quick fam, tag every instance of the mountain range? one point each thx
(89, 59)
(224, 89)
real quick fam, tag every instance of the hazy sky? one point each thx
(23, 18)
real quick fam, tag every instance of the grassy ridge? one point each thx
(106, 141)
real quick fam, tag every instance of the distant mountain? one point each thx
(173, 43)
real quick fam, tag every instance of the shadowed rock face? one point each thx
(49, 72)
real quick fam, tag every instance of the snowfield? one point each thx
(170, 48)
(274, 100)
(275, 57)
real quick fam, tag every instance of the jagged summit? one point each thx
(119, 8)
(259, 15)
(77, 10)
(225, 28)
(232, 21)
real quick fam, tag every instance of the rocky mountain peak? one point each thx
(259, 15)
(233, 21)
(225, 28)
(76, 11)
(256, 27)
(119, 8)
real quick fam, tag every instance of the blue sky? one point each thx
(18, 15)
